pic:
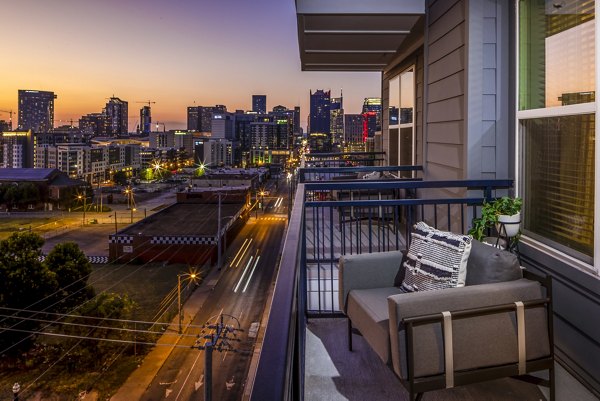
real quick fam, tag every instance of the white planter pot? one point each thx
(511, 224)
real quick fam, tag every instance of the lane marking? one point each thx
(188, 376)
(244, 253)
(243, 274)
(250, 277)
(238, 252)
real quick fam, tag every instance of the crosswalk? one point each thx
(273, 218)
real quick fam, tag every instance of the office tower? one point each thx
(319, 124)
(284, 119)
(259, 104)
(145, 120)
(373, 105)
(16, 149)
(243, 133)
(297, 127)
(336, 120)
(199, 118)
(36, 110)
(117, 113)
(353, 133)
(222, 125)
(193, 121)
(5, 126)
(94, 124)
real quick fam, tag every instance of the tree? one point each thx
(72, 268)
(28, 193)
(24, 281)
(93, 353)
(120, 178)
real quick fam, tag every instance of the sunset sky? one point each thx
(174, 52)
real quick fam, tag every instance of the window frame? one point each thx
(559, 111)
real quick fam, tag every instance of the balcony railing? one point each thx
(330, 219)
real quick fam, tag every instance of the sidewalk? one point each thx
(137, 383)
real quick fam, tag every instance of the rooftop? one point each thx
(184, 220)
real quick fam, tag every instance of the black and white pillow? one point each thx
(435, 260)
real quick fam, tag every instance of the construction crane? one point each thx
(10, 113)
(149, 102)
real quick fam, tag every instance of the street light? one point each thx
(84, 207)
(191, 276)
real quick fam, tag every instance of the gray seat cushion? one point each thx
(369, 313)
(488, 264)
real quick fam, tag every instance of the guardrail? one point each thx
(322, 230)
(312, 174)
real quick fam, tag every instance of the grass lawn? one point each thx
(152, 287)
(40, 225)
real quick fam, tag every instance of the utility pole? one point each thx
(219, 339)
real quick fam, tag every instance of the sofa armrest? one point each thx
(494, 336)
(367, 270)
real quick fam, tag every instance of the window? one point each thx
(558, 182)
(556, 123)
(401, 128)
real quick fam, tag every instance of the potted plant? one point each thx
(505, 210)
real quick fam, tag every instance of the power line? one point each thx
(112, 340)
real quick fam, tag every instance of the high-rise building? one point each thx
(336, 121)
(36, 110)
(259, 104)
(193, 121)
(373, 104)
(353, 133)
(222, 125)
(297, 127)
(320, 119)
(199, 118)
(117, 114)
(94, 124)
(16, 149)
(145, 120)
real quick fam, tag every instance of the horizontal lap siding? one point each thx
(445, 101)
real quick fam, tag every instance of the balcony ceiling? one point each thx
(348, 35)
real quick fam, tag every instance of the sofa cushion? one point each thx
(436, 259)
(488, 264)
(401, 270)
(368, 311)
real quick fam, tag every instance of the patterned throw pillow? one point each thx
(435, 260)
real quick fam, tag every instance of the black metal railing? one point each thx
(311, 174)
(345, 159)
(358, 219)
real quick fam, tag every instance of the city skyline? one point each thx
(79, 51)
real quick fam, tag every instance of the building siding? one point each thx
(445, 93)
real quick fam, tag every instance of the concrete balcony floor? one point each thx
(335, 374)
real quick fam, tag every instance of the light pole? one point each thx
(191, 276)
(132, 210)
(84, 207)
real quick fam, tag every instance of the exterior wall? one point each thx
(576, 305)
(445, 90)
(488, 100)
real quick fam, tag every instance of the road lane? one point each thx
(183, 369)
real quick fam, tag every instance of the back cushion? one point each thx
(436, 259)
(488, 264)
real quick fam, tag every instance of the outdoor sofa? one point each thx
(499, 324)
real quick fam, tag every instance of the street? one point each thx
(241, 292)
